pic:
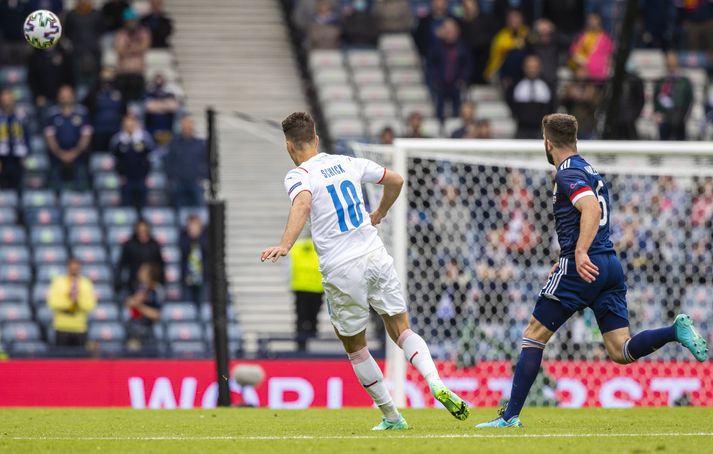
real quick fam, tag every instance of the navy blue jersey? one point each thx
(575, 179)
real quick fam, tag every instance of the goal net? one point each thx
(473, 239)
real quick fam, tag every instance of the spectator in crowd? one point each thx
(517, 196)
(467, 117)
(592, 49)
(454, 296)
(323, 31)
(113, 14)
(426, 33)
(131, 43)
(449, 66)
(631, 103)
(567, 17)
(56, 6)
(83, 27)
(144, 307)
(495, 271)
(393, 16)
(507, 48)
(702, 208)
(697, 23)
(14, 142)
(14, 50)
(387, 136)
(358, 25)
(414, 126)
(194, 260)
(581, 98)
(543, 44)
(483, 129)
(303, 13)
(673, 97)
(306, 284)
(657, 24)
(131, 148)
(159, 24)
(48, 70)
(501, 8)
(106, 109)
(186, 166)
(160, 111)
(530, 99)
(477, 30)
(71, 297)
(452, 219)
(68, 135)
(138, 250)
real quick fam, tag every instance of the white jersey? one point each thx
(341, 227)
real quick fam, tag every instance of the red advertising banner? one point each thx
(306, 383)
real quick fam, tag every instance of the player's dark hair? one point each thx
(299, 129)
(560, 129)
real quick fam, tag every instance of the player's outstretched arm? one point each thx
(591, 213)
(393, 182)
(296, 221)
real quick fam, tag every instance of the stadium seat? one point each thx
(109, 198)
(105, 313)
(412, 93)
(361, 58)
(159, 216)
(347, 127)
(8, 215)
(45, 315)
(424, 108)
(184, 331)
(174, 292)
(106, 331)
(81, 216)
(14, 293)
(14, 254)
(105, 293)
(405, 76)
(49, 254)
(171, 254)
(201, 212)
(36, 163)
(38, 198)
(12, 234)
(395, 42)
(179, 312)
(73, 199)
(156, 180)
(233, 328)
(188, 349)
(29, 349)
(46, 234)
(42, 216)
(101, 162)
(494, 110)
(14, 312)
(380, 110)
(90, 254)
(325, 58)
(330, 76)
(377, 124)
(20, 331)
(16, 273)
(106, 181)
(98, 273)
(451, 125)
(173, 273)
(119, 216)
(483, 93)
(503, 128)
(119, 234)
(336, 93)
(369, 93)
(13, 75)
(157, 198)
(86, 234)
(45, 273)
(368, 76)
(341, 109)
(8, 199)
(166, 235)
(402, 60)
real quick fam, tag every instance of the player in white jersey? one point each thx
(357, 272)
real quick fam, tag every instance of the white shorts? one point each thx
(351, 287)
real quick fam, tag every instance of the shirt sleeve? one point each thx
(296, 181)
(573, 183)
(371, 172)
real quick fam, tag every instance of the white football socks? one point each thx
(372, 379)
(417, 353)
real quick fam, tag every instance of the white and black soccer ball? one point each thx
(42, 29)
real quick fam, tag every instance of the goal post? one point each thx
(473, 239)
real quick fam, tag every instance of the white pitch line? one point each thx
(361, 437)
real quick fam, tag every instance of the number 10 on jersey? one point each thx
(351, 197)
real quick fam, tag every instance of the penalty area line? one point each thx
(360, 437)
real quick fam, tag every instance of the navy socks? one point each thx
(647, 342)
(528, 366)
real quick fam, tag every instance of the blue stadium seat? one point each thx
(15, 312)
(39, 293)
(109, 198)
(90, 254)
(12, 234)
(106, 180)
(157, 198)
(38, 162)
(188, 349)
(119, 234)
(44, 315)
(8, 215)
(183, 213)
(101, 162)
(15, 293)
(30, 349)
(184, 331)
(234, 332)
(34, 180)
(173, 273)
(14, 254)
(179, 312)
(159, 216)
(97, 273)
(46, 234)
(105, 313)
(73, 199)
(156, 181)
(106, 331)
(86, 234)
(81, 216)
(171, 254)
(115, 253)
(49, 254)
(21, 93)
(20, 332)
(105, 293)
(17, 273)
(45, 273)
(38, 198)
(174, 292)
(42, 216)
(8, 198)
(165, 235)
(119, 216)
(13, 75)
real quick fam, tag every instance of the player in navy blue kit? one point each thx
(588, 274)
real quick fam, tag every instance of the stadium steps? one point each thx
(253, 70)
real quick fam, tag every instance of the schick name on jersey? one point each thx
(590, 170)
(332, 171)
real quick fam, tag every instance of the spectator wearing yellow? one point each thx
(510, 38)
(71, 297)
(306, 284)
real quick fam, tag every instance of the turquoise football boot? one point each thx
(500, 422)
(687, 335)
(454, 404)
(385, 424)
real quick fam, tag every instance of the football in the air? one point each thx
(42, 29)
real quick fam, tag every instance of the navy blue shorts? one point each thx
(566, 293)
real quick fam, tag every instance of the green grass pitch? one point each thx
(601, 431)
